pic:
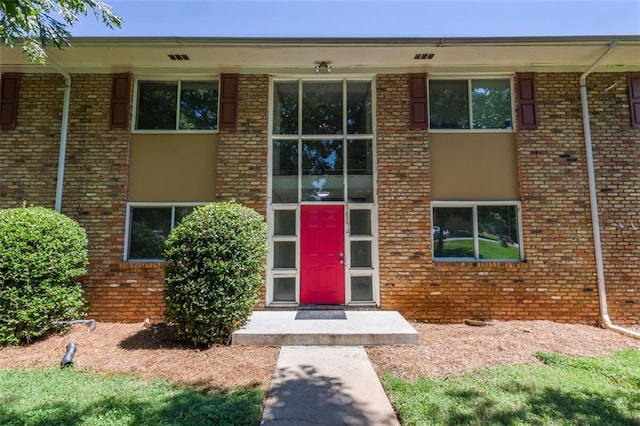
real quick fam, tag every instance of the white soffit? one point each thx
(207, 55)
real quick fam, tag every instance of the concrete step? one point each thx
(325, 328)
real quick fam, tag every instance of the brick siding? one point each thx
(557, 281)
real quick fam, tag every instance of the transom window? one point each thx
(177, 105)
(476, 231)
(148, 227)
(470, 104)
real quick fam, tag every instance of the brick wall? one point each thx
(558, 280)
(616, 147)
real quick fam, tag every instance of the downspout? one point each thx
(63, 135)
(595, 221)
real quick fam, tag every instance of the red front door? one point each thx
(322, 255)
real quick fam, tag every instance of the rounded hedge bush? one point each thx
(41, 254)
(213, 273)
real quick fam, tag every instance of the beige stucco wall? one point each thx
(173, 167)
(473, 166)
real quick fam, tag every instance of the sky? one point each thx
(373, 18)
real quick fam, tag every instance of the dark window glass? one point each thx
(149, 229)
(322, 108)
(453, 232)
(360, 222)
(285, 171)
(284, 289)
(448, 104)
(285, 108)
(498, 232)
(361, 289)
(198, 105)
(359, 108)
(491, 104)
(322, 169)
(284, 222)
(157, 103)
(360, 170)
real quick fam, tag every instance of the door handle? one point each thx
(341, 256)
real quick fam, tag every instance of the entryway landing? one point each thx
(325, 328)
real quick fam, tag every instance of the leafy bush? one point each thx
(215, 257)
(41, 253)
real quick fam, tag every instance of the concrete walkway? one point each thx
(322, 385)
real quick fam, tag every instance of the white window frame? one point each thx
(476, 244)
(127, 228)
(178, 80)
(469, 78)
(372, 206)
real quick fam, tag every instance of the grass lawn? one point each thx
(565, 391)
(488, 249)
(76, 397)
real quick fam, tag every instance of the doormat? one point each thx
(321, 315)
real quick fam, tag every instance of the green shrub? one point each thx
(41, 254)
(215, 258)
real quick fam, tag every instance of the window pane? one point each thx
(181, 213)
(322, 108)
(199, 105)
(284, 222)
(360, 170)
(491, 104)
(322, 167)
(360, 222)
(285, 108)
(361, 289)
(359, 108)
(498, 232)
(284, 254)
(157, 105)
(148, 232)
(284, 289)
(285, 172)
(448, 104)
(361, 254)
(452, 232)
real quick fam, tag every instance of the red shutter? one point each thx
(9, 89)
(527, 106)
(120, 95)
(418, 117)
(634, 98)
(228, 116)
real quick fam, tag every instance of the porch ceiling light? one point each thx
(323, 194)
(323, 65)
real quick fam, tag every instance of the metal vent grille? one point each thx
(178, 57)
(423, 56)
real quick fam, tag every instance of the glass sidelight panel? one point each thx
(285, 108)
(361, 254)
(284, 289)
(360, 170)
(322, 170)
(322, 108)
(285, 171)
(284, 255)
(360, 222)
(361, 289)
(284, 222)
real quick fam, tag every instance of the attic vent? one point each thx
(423, 56)
(178, 57)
